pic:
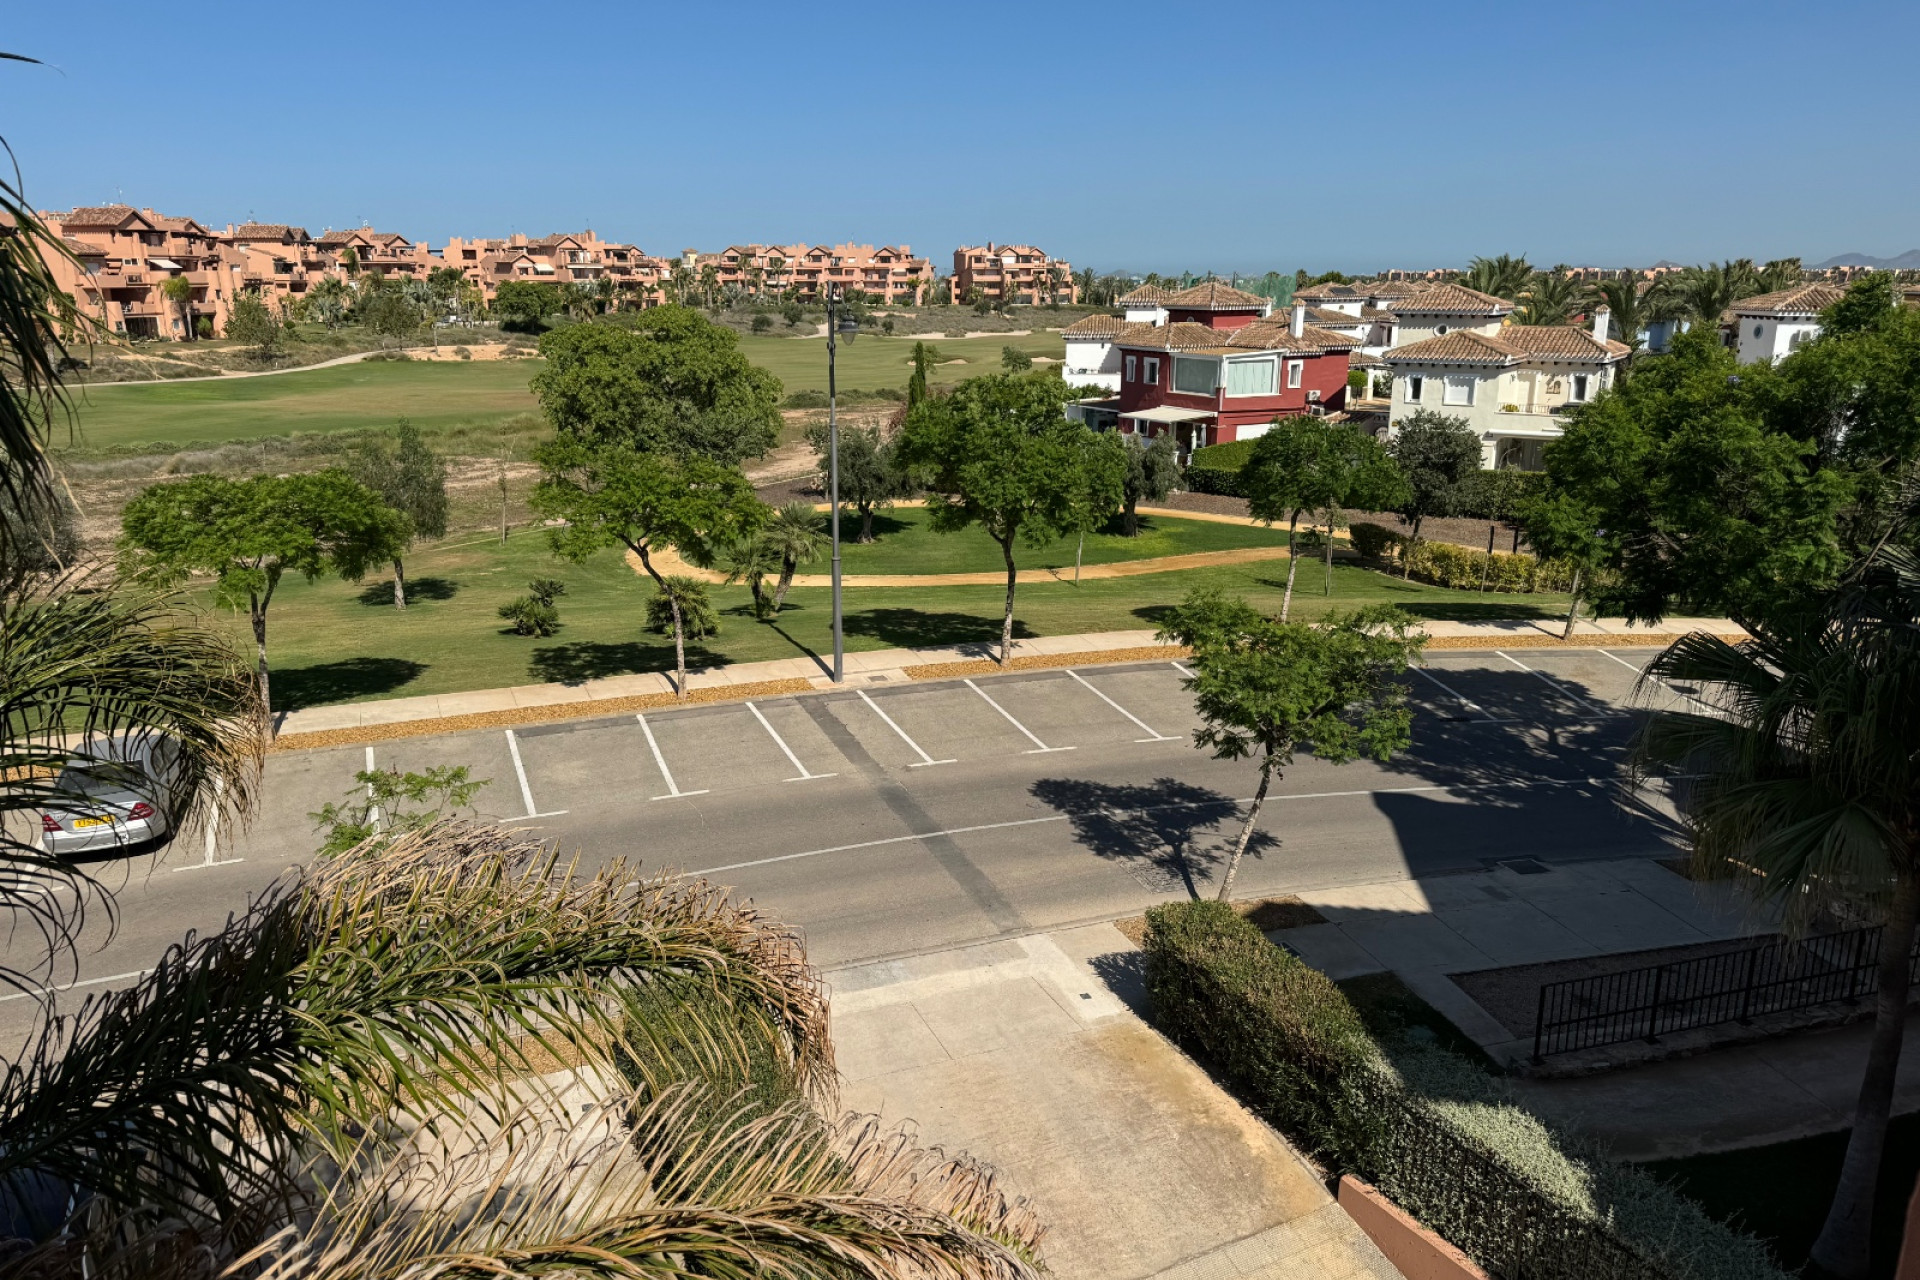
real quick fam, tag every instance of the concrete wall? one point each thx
(1417, 1253)
(1092, 364)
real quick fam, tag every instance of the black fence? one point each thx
(1733, 986)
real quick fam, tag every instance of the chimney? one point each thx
(1299, 325)
(1600, 316)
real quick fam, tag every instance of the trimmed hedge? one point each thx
(1462, 568)
(1372, 541)
(1216, 468)
(1426, 1126)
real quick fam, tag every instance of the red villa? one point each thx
(1221, 369)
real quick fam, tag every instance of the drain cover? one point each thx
(1524, 866)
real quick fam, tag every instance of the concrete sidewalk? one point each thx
(883, 665)
(1028, 1054)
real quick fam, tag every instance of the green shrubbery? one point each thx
(698, 618)
(1372, 541)
(1485, 495)
(1462, 568)
(1216, 468)
(1425, 1125)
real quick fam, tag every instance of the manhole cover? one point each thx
(1524, 866)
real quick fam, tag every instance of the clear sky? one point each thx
(1119, 134)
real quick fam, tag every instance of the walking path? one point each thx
(267, 373)
(353, 722)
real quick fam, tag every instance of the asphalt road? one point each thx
(892, 820)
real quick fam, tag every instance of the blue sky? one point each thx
(1121, 135)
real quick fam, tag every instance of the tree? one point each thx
(1781, 273)
(1561, 527)
(379, 805)
(664, 380)
(1014, 360)
(524, 305)
(36, 320)
(251, 321)
(326, 301)
(1264, 687)
(1549, 298)
(925, 356)
(1000, 453)
(1705, 293)
(1304, 465)
(1153, 469)
(1804, 775)
(1100, 486)
(387, 311)
(1630, 309)
(249, 533)
(412, 479)
(1435, 453)
(178, 290)
(794, 535)
(870, 471)
(1503, 277)
(748, 558)
(612, 494)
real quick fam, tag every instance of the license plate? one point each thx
(80, 824)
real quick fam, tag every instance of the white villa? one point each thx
(1509, 383)
(1773, 326)
(1092, 359)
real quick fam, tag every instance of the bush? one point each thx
(1464, 568)
(1435, 1134)
(1373, 541)
(463, 353)
(698, 618)
(805, 400)
(762, 323)
(1216, 468)
(530, 617)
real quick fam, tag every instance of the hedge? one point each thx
(1435, 1134)
(1462, 568)
(1216, 468)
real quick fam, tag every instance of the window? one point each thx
(1153, 371)
(1294, 369)
(1758, 330)
(1440, 331)
(1193, 375)
(1132, 363)
(1459, 389)
(1250, 377)
(1579, 386)
(1415, 384)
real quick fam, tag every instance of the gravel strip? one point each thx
(1041, 661)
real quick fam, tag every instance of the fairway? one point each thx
(875, 362)
(904, 543)
(435, 397)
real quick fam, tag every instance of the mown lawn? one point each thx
(905, 544)
(874, 362)
(331, 642)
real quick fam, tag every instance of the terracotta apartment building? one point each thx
(127, 255)
(562, 258)
(889, 275)
(995, 271)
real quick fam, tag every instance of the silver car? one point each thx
(121, 794)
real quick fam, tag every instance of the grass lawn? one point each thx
(875, 362)
(904, 544)
(436, 397)
(332, 642)
(1781, 1192)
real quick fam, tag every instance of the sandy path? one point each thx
(480, 351)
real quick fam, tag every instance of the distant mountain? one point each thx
(1908, 261)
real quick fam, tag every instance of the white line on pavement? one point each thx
(673, 791)
(211, 859)
(1461, 698)
(1157, 735)
(925, 759)
(1555, 684)
(782, 744)
(1657, 680)
(526, 792)
(1182, 670)
(1039, 746)
(88, 982)
(373, 810)
(1520, 784)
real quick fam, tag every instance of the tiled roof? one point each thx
(99, 215)
(1452, 299)
(1327, 315)
(1095, 326)
(1147, 295)
(1212, 295)
(1361, 360)
(1276, 335)
(1184, 336)
(1559, 342)
(81, 249)
(1515, 343)
(1315, 293)
(1801, 300)
(1462, 346)
(1269, 336)
(268, 231)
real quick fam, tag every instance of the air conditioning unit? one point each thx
(1313, 397)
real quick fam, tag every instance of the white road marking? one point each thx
(925, 759)
(1157, 735)
(526, 792)
(1461, 698)
(373, 810)
(1555, 684)
(673, 790)
(88, 982)
(1519, 785)
(1657, 680)
(213, 836)
(1039, 747)
(1182, 670)
(787, 750)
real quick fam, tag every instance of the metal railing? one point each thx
(1733, 986)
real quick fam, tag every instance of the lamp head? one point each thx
(848, 327)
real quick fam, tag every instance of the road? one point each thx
(891, 820)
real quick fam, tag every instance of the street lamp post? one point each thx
(836, 326)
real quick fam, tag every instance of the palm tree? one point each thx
(1627, 304)
(794, 535)
(709, 284)
(35, 319)
(1781, 273)
(1549, 298)
(1503, 277)
(1705, 293)
(1806, 777)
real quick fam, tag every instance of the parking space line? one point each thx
(1039, 747)
(213, 836)
(373, 810)
(86, 982)
(1641, 671)
(925, 759)
(673, 790)
(787, 750)
(1157, 735)
(1182, 670)
(1461, 698)
(526, 792)
(1552, 683)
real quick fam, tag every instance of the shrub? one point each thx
(805, 400)
(698, 619)
(1464, 568)
(530, 617)
(1373, 541)
(762, 323)
(546, 590)
(463, 353)
(1216, 468)
(1436, 1135)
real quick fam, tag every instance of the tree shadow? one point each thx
(884, 525)
(381, 592)
(1166, 833)
(1495, 608)
(342, 681)
(922, 628)
(583, 660)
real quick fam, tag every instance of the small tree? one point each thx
(523, 305)
(381, 803)
(412, 479)
(1435, 452)
(248, 533)
(1014, 360)
(1100, 475)
(1152, 471)
(870, 471)
(612, 495)
(1306, 464)
(252, 321)
(1264, 687)
(179, 291)
(925, 356)
(794, 535)
(388, 312)
(1001, 452)
(1561, 527)
(326, 302)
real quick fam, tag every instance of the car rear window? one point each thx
(98, 779)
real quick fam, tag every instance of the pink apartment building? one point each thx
(127, 255)
(1019, 271)
(562, 258)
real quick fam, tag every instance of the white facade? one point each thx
(1092, 362)
(1773, 338)
(1139, 314)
